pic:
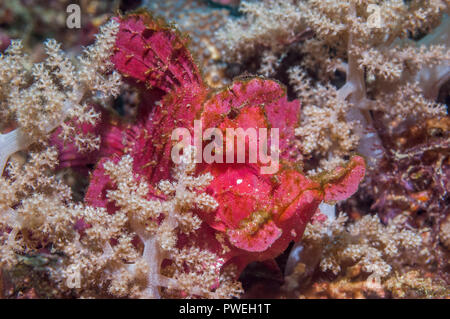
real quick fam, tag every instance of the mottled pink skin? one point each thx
(288, 199)
(152, 153)
(258, 215)
(149, 51)
(242, 192)
(257, 103)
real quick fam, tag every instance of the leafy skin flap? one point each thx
(345, 181)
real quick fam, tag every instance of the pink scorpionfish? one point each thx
(258, 214)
